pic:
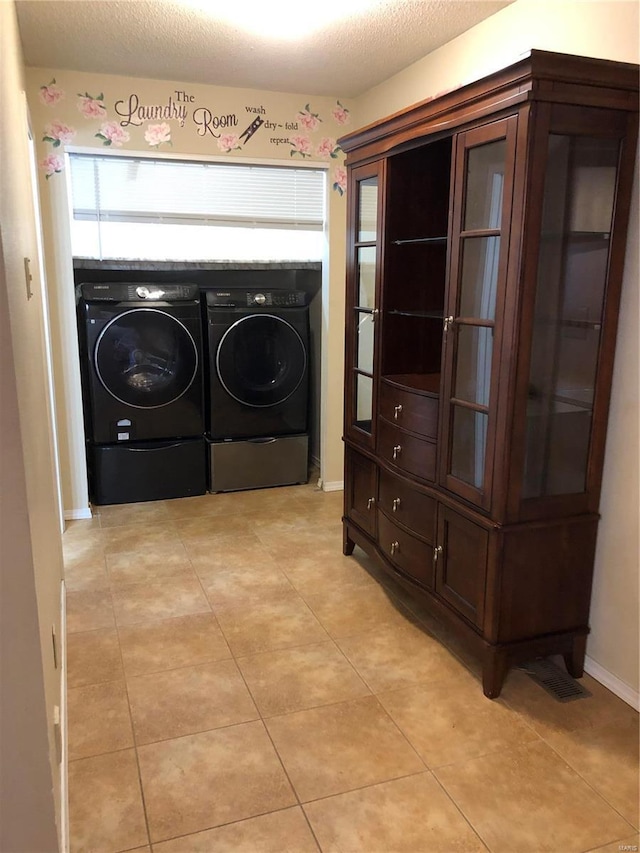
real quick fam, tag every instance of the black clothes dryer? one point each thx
(144, 366)
(258, 363)
(141, 360)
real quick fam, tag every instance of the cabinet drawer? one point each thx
(414, 412)
(412, 556)
(408, 452)
(407, 506)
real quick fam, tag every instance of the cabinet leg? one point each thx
(347, 544)
(574, 659)
(494, 671)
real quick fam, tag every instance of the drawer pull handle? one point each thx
(397, 449)
(370, 502)
(395, 547)
(437, 553)
(397, 410)
(395, 506)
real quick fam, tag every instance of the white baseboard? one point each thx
(335, 486)
(612, 683)
(64, 764)
(77, 514)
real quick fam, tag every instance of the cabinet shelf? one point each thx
(577, 237)
(578, 242)
(420, 240)
(569, 323)
(582, 324)
(425, 315)
(559, 406)
(589, 235)
(568, 400)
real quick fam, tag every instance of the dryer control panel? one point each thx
(256, 298)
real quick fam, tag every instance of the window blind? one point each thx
(127, 189)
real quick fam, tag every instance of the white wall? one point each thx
(30, 544)
(607, 30)
(614, 610)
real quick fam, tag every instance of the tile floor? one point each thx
(236, 684)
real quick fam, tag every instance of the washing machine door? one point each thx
(261, 360)
(145, 358)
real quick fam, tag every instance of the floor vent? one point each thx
(555, 680)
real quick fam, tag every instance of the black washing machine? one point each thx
(258, 387)
(141, 352)
(143, 345)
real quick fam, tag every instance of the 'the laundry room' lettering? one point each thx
(207, 122)
(134, 113)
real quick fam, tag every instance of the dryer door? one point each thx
(261, 360)
(146, 358)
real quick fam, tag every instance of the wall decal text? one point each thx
(207, 122)
(133, 112)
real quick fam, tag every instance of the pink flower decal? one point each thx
(300, 145)
(158, 134)
(341, 114)
(52, 164)
(51, 94)
(58, 133)
(327, 148)
(340, 180)
(229, 142)
(91, 107)
(309, 121)
(112, 134)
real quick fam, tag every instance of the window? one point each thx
(145, 209)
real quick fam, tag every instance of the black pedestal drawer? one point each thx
(147, 471)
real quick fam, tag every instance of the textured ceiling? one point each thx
(167, 40)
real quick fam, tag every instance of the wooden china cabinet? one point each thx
(486, 244)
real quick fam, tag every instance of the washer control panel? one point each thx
(139, 292)
(164, 292)
(144, 292)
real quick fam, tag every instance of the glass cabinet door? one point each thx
(573, 259)
(363, 300)
(482, 200)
